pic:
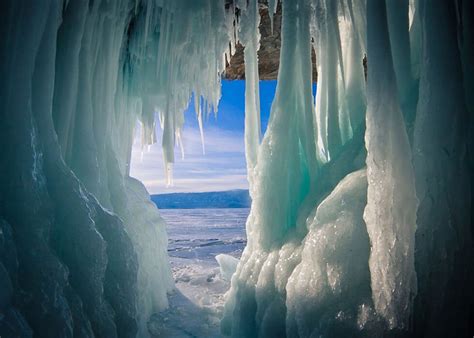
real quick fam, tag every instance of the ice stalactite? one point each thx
(327, 94)
(390, 214)
(193, 39)
(249, 37)
(197, 108)
(399, 36)
(339, 37)
(272, 9)
(352, 92)
(443, 175)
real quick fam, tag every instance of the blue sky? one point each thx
(223, 166)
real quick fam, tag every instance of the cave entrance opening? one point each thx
(206, 207)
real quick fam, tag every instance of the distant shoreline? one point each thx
(203, 200)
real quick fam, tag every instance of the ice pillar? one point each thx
(250, 38)
(284, 175)
(390, 214)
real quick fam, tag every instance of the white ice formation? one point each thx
(227, 265)
(362, 212)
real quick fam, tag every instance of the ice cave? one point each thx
(361, 223)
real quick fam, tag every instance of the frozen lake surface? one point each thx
(195, 237)
(201, 234)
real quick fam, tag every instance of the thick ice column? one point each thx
(444, 235)
(327, 105)
(353, 49)
(288, 149)
(391, 207)
(398, 26)
(284, 175)
(70, 35)
(250, 38)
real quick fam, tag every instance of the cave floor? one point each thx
(196, 304)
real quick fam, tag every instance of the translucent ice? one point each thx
(227, 265)
(392, 204)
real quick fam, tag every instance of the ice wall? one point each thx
(51, 303)
(82, 248)
(443, 174)
(336, 251)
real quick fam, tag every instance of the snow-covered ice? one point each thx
(198, 238)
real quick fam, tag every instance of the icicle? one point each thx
(398, 25)
(250, 38)
(197, 108)
(201, 132)
(180, 142)
(272, 9)
(169, 174)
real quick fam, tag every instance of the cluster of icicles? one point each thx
(179, 51)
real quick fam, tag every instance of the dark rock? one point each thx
(269, 53)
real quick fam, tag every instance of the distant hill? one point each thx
(203, 200)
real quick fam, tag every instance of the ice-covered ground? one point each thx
(196, 237)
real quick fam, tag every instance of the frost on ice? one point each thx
(361, 221)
